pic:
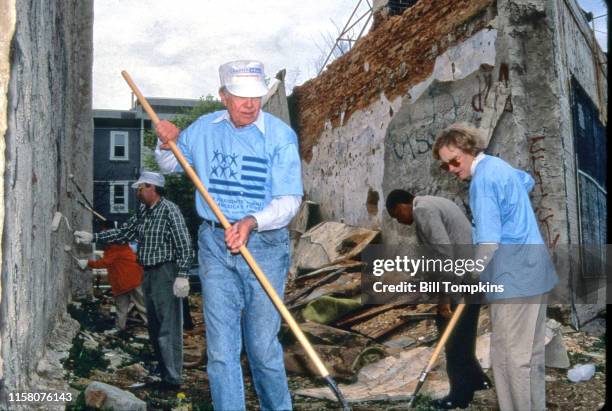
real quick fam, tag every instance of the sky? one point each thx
(174, 49)
(598, 8)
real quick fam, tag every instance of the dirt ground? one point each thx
(97, 320)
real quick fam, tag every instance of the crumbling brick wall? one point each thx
(398, 54)
(46, 88)
(343, 115)
(368, 123)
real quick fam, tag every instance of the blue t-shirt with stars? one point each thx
(242, 168)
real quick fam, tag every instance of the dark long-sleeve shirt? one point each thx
(161, 233)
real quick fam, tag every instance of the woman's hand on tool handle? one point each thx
(166, 131)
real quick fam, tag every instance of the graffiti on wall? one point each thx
(445, 104)
(485, 82)
(544, 214)
(409, 148)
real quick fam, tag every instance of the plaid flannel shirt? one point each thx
(161, 233)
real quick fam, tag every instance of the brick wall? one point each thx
(397, 54)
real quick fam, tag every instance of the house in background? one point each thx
(119, 154)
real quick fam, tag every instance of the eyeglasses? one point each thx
(142, 186)
(452, 162)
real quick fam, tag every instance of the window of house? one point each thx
(119, 145)
(119, 197)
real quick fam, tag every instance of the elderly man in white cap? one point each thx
(166, 253)
(249, 161)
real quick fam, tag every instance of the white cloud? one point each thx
(174, 49)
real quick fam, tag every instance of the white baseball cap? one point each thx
(244, 78)
(149, 177)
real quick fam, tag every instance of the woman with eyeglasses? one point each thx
(506, 233)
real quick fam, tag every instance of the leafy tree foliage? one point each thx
(179, 189)
(206, 105)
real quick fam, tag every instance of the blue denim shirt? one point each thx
(502, 214)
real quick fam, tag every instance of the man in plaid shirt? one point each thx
(166, 253)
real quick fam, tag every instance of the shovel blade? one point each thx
(336, 390)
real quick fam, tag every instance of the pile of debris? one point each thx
(375, 351)
(111, 368)
(378, 350)
(381, 349)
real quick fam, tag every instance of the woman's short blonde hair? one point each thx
(464, 136)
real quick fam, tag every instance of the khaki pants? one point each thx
(125, 302)
(517, 353)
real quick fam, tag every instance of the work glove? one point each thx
(181, 287)
(83, 237)
(82, 264)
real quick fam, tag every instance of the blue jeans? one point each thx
(237, 307)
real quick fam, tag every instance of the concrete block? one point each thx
(100, 395)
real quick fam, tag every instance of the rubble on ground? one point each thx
(406, 334)
(376, 352)
(329, 243)
(105, 396)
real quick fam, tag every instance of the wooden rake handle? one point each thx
(445, 335)
(278, 303)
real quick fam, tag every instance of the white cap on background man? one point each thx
(149, 177)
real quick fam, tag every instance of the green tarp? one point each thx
(326, 309)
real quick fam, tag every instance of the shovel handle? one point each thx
(445, 335)
(434, 356)
(278, 303)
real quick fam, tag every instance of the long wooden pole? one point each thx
(434, 356)
(261, 277)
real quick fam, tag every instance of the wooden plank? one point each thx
(366, 314)
(403, 320)
(347, 264)
(308, 290)
(331, 242)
